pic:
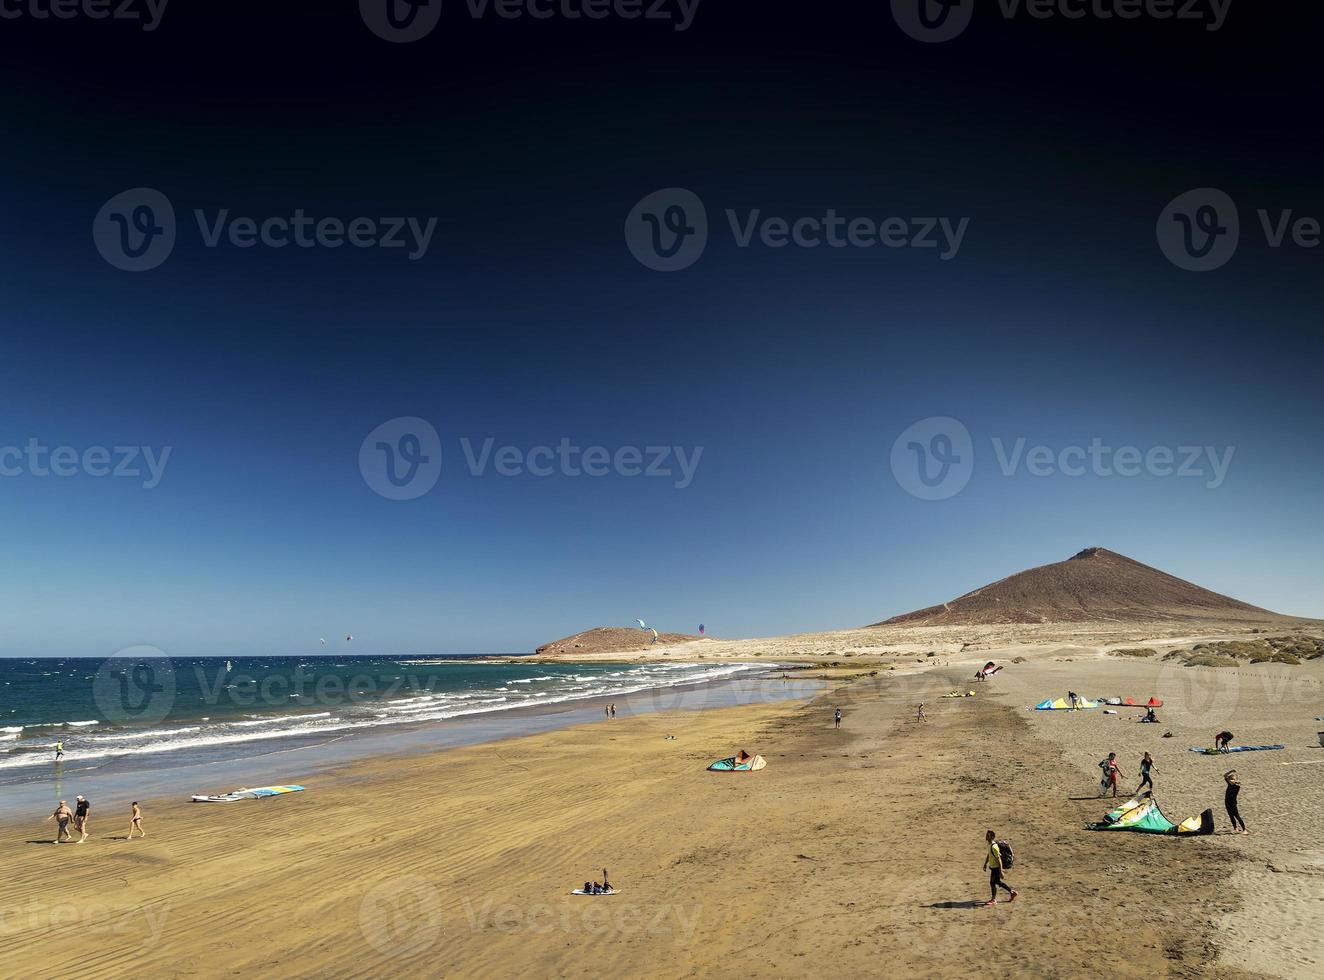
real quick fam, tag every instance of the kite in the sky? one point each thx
(348, 638)
(642, 624)
(324, 641)
(654, 632)
(701, 629)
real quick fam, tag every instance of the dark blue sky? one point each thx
(527, 321)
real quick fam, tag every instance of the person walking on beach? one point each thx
(1110, 775)
(1146, 767)
(836, 718)
(993, 865)
(59, 751)
(1230, 802)
(80, 817)
(136, 821)
(62, 816)
(919, 714)
(1222, 740)
(613, 709)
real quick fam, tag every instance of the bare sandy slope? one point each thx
(855, 852)
(1094, 585)
(904, 645)
(611, 639)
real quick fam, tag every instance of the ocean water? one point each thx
(132, 714)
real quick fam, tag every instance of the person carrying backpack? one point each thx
(997, 860)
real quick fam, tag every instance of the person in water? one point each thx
(1222, 740)
(1230, 802)
(993, 865)
(136, 821)
(81, 817)
(62, 816)
(59, 751)
(1146, 767)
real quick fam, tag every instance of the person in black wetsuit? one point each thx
(1230, 801)
(1146, 767)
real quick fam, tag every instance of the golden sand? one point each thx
(855, 852)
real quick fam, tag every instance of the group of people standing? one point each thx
(1112, 775)
(80, 817)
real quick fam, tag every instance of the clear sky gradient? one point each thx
(528, 321)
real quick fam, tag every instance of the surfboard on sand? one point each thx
(1239, 748)
(580, 891)
(259, 793)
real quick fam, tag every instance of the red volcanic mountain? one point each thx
(1096, 585)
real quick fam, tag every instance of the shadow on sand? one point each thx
(972, 904)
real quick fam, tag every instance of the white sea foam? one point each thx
(416, 709)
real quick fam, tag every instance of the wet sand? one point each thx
(854, 852)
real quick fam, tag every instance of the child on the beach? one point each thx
(1230, 802)
(136, 821)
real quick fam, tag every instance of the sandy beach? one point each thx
(853, 848)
